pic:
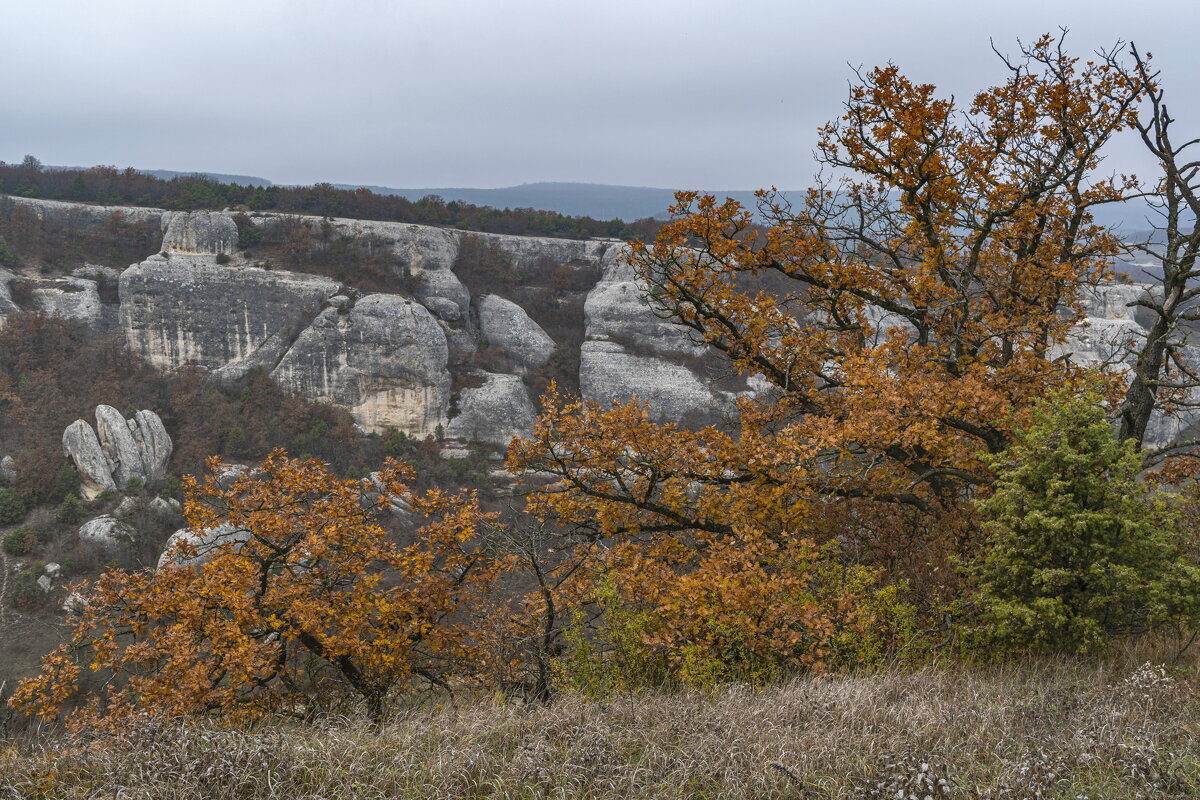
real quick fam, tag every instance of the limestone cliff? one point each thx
(178, 310)
(395, 361)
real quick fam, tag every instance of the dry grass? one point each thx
(1063, 731)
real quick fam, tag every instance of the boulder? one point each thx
(154, 445)
(74, 605)
(505, 325)
(228, 473)
(8, 469)
(443, 308)
(385, 360)
(138, 448)
(119, 446)
(199, 232)
(125, 508)
(107, 534)
(495, 412)
(165, 509)
(83, 448)
(200, 544)
(75, 299)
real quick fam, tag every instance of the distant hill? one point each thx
(596, 200)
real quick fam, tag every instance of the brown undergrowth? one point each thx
(1067, 729)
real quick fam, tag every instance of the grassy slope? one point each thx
(1066, 730)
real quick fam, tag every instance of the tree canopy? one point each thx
(290, 593)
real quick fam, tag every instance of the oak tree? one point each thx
(904, 315)
(295, 594)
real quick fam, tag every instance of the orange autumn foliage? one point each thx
(314, 599)
(904, 316)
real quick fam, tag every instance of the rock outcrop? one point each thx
(389, 359)
(1111, 331)
(385, 359)
(154, 445)
(632, 352)
(181, 310)
(199, 233)
(83, 448)
(505, 325)
(75, 299)
(135, 449)
(119, 447)
(495, 412)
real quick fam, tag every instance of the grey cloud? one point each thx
(490, 93)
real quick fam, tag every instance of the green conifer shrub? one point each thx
(1078, 549)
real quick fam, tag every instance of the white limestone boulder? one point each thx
(505, 325)
(495, 412)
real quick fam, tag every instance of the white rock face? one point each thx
(618, 309)
(1110, 333)
(607, 372)
(189, 310)
(83, 448)
(119, 447)
(505, 324)
(7, 306)
(385, 360)
(137, 448)
(631, 352)
(199, 232)
(107, 534)
(71, 298)
(495, 412)
(85, 214)
(8, 469)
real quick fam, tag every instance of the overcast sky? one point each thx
(722, 94)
